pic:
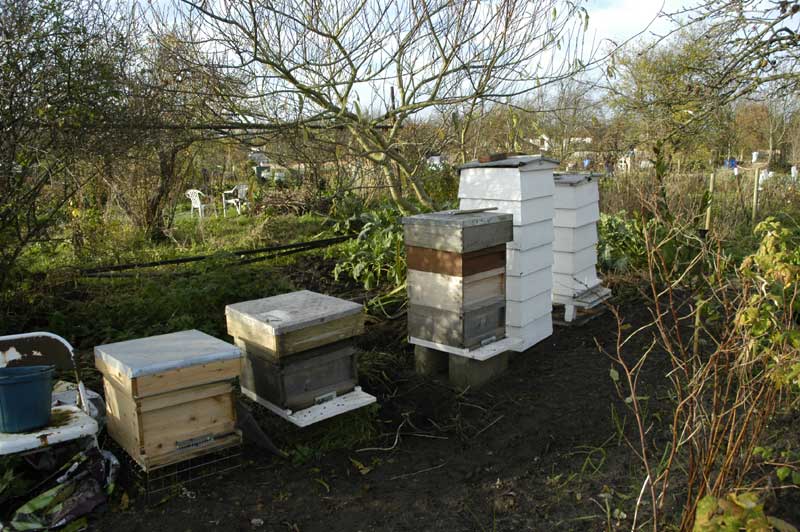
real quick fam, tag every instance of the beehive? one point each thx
(456, 277)
(575, 280)
(169, 398)
(523, 187)
(298, 347)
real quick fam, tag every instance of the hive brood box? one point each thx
(301, 380)
(170, 397)
(298, 347)
(456, 277)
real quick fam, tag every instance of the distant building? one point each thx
(436, 162)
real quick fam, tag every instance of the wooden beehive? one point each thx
(294, 322)
(456, 277)
(169, 398)
(298, 348)
(301, 380)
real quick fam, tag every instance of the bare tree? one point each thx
(758, 42)
(369, 65)
(60, 70)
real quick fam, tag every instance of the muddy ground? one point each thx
(537, 449)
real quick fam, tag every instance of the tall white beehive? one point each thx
(522, 186)
(577, 210)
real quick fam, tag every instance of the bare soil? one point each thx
(534, 450)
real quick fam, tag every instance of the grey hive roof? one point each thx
(516, 161)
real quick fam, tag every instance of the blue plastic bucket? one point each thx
(25, 398)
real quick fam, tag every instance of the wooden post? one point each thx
(755, 196)
(710, 202)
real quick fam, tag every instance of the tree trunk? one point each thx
(153, 220)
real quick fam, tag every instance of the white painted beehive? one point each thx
(577, 210)
(516, 179)
(526, 212)
(572, 285)
(521, 313)
(576, 217)
(572, 238)
(522, 186)
(571, 262)
(522, 287)
(532, 235)
(526, 262)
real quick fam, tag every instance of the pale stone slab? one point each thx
(157, 354)
(430, 362)
(470, 373)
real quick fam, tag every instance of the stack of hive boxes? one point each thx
(456, 279)
(577, 210)
(298, 348)
(169, 398)
(522, 186)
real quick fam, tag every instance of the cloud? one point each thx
(619, 20)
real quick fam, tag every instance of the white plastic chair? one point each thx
(237, 201)
(195, 196)
(75, 421)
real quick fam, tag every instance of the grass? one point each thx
(52, 295)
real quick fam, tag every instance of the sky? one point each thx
(619, 20)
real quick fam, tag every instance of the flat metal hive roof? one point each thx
(458, 219)
(292, 311)
(516, 161)
(165, 352)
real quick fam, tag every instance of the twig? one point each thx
(639, 502)
(398, 477)
(396, 440)
(488, 426)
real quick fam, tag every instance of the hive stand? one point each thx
(522, 186)
(300, 360)
(575, 281)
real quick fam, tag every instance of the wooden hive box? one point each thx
(302, 380)
(169, 398)
(298, 347)
(456, 277)
(294, 322)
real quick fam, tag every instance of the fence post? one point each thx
(755, 195)
(710, 201)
